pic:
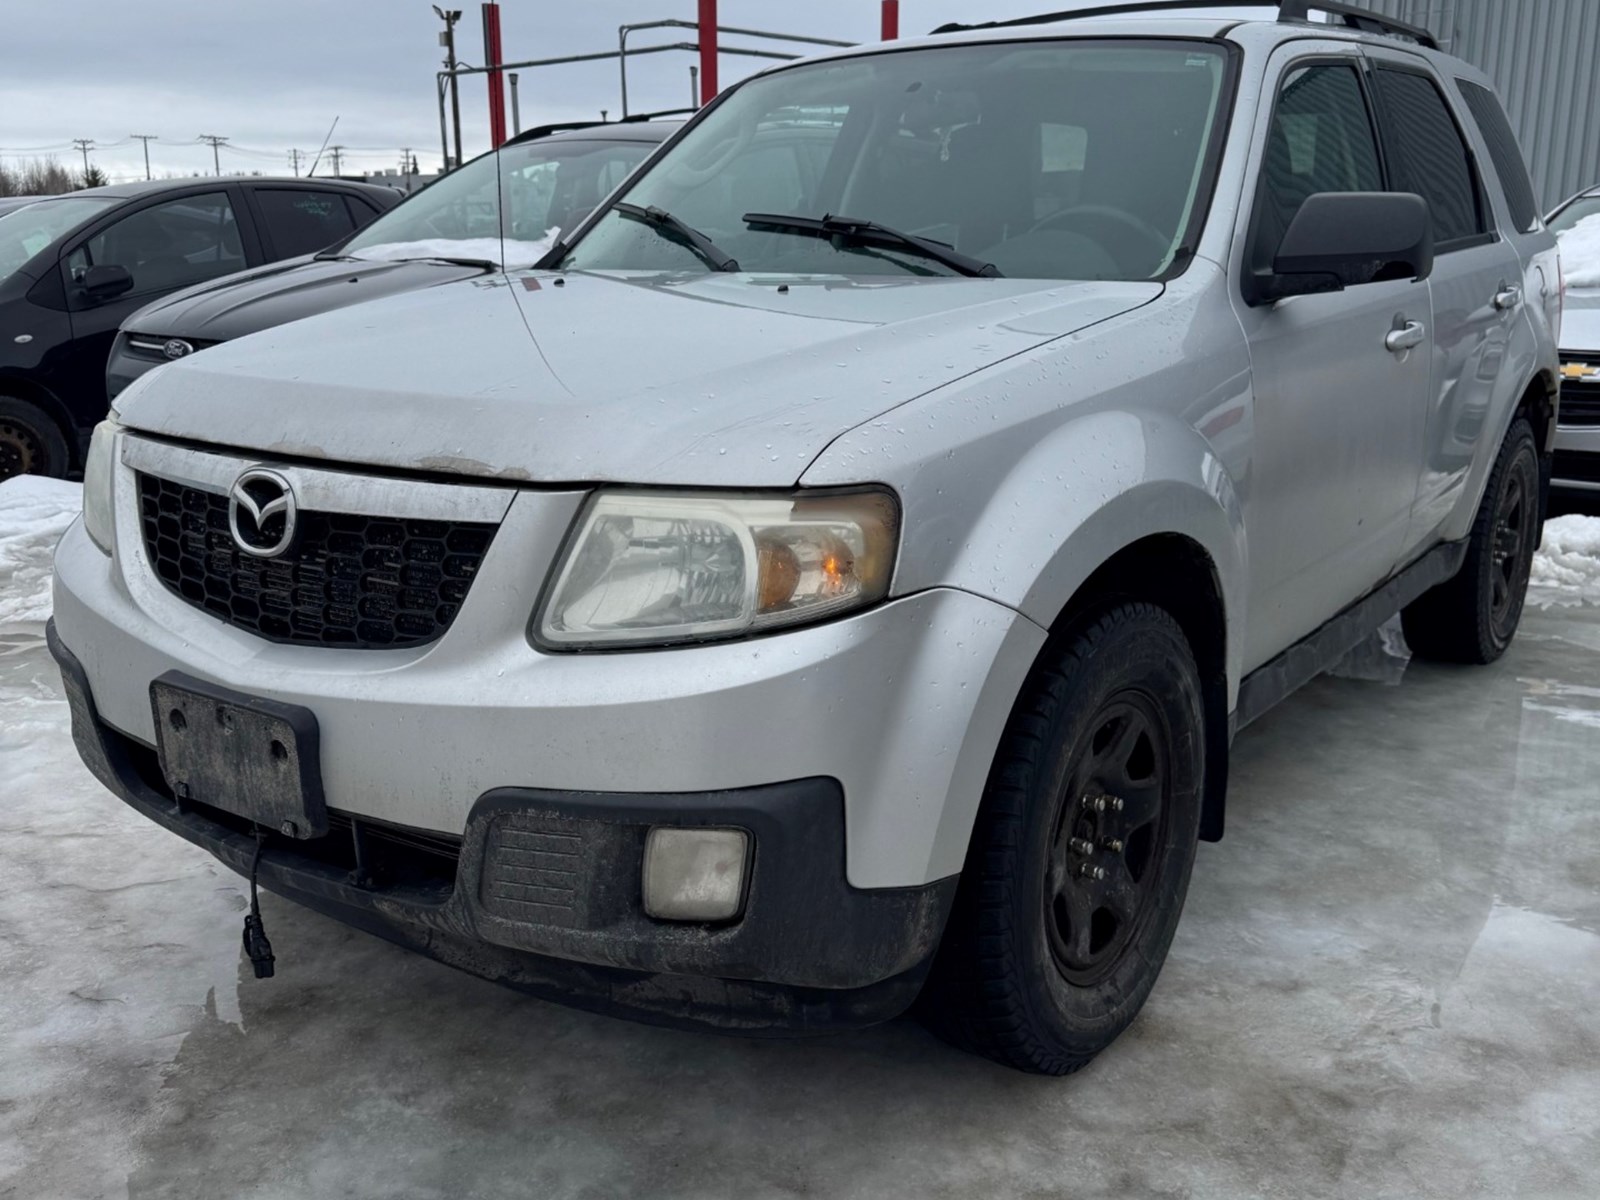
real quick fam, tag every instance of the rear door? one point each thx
(166, 244)
(303, 220)
(1477, 284)
(1338, 414)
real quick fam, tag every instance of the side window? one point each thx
(168, 245)
(1427, 154)
(1321, 140)
(302, 222)
(1509, 164)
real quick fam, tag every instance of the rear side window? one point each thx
(1509, 164)
(1321, 140)
(303, 222)
(1428, 155)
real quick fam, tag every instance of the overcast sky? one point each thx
(273, 74)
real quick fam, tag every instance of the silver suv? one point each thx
(836, 576)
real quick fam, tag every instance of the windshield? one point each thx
(549, 186)
(26, 231)
(1578, 210)
(1047, 160)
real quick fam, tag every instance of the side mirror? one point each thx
(1345, 239)
(106, 282)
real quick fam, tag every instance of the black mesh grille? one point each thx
(1580, 403)
(368, 583)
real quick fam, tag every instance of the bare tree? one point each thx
(37, 177)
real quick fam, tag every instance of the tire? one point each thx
(1101, 766)
(1472, 617)
(30, 443)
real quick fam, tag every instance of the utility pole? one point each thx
(215, 141)
(335, 153)
(447, 39)
(146, 138)
(405, 160)
(84, 144)
(294, 162)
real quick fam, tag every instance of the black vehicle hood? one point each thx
(264, 297)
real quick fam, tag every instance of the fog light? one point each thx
(694, 874)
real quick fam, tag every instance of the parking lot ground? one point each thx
(1385, 985)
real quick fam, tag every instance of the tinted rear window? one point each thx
(1430, 159)
(303, 222)
(1507, 155)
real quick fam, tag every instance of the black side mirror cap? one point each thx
(106, 282)
(1345, 239)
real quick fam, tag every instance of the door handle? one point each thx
(1507, 297)
(1405, 337)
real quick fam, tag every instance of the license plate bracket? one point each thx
(255, 758)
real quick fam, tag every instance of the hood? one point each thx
(1580, 320)
(250, 301)
(720, 380)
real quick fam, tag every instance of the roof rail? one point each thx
(1353, 17)
(1288, 10)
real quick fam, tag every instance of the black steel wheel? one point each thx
(1081, 850)
(1100, 886)
(1473, 617)
(30, 443)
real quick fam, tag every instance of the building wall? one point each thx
(1544, 57)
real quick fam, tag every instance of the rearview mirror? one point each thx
(1345, 239)
(106, 282)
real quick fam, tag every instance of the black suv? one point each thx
(73, 267)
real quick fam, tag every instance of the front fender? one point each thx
(1020, 482)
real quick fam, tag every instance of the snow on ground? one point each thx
(34, 513)
(1580, 254)
(1567, 566)
(518, 254)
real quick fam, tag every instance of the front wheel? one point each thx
(30, 443)
(1081, 852)
(1473, 617)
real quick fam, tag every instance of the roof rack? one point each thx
(1349, 16)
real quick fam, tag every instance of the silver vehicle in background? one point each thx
(834, 577)
(1577, 460)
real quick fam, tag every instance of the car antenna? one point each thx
(323, 147)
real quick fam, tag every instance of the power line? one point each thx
(215, 142)
(146, 138)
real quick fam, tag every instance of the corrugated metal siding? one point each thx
(1544, 58)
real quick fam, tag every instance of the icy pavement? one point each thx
(1383, 988)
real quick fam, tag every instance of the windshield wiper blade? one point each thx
(487, 264)
(871, 233)
(687, 235)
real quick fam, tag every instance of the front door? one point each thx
(164, 246)
(1340, 379)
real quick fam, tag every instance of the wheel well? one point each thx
(1538, 404)
(32, 393)
(1176, 574)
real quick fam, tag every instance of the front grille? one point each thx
(361, 582)
(1580, 403)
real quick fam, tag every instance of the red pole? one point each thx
(493, 57)
(708, 51)
(891, 20)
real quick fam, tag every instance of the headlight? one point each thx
(97, 473)
(649, 568)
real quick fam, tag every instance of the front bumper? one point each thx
(809, 952)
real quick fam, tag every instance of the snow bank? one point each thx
(34, 513)
(517, 254)
(1580, 253)
(1569, 561)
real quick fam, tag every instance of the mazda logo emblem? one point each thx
(262, 513)
(177, 348)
